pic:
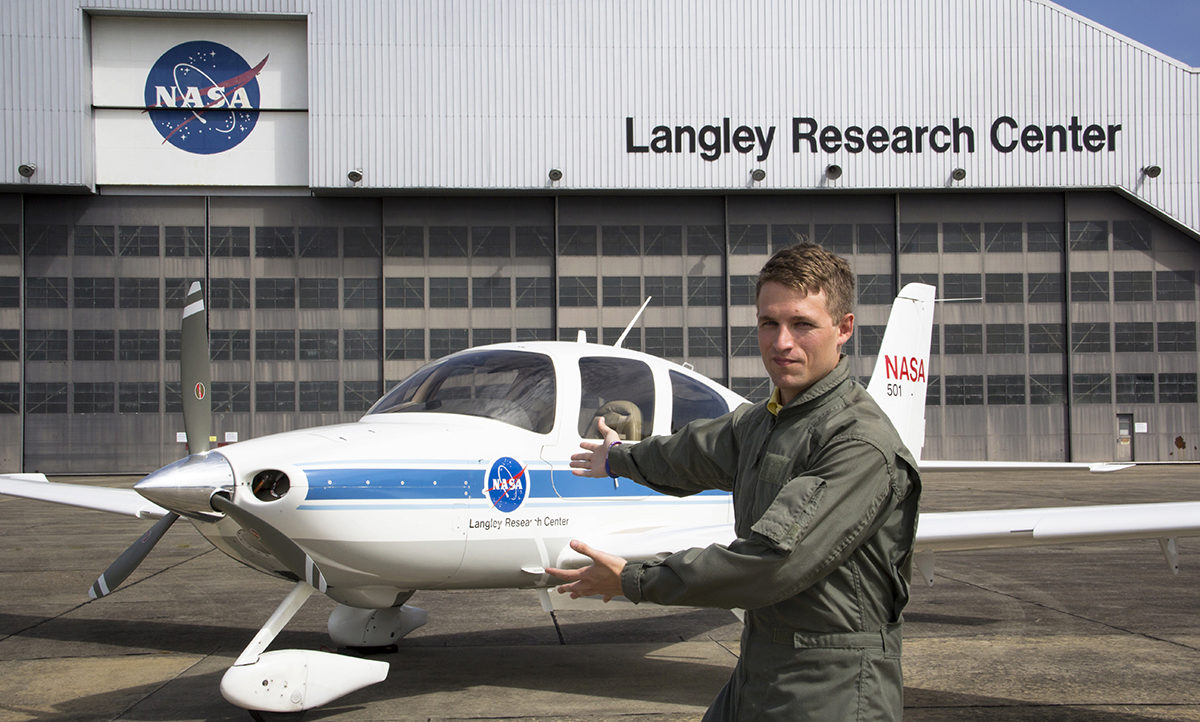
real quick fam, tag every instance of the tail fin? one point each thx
(901, 375)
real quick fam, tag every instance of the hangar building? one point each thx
(367, 185)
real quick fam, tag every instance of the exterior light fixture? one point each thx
(833, 171)
(757, 174)
(27, 170)
(355, 175)
(555, 174)
(958, 174)
(1151, 171)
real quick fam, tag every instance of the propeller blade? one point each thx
(280, 545)
(129, 560)
(195, 372)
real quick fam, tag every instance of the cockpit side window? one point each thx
(516, 387)
(693, 400)
(620, 390)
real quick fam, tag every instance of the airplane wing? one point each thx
(642, 545)
(99, 498)
(1006, 528)
(991, 529)
(633, 545)
(952, 531)
(950, 465)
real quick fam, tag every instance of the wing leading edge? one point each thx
(1007, 528)
(992, 529)
(951, 531)
(955, 531)
(98, 498)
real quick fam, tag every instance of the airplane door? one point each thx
(619, 390)
(1124, 437)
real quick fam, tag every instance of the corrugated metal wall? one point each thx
(482, 95)
(44, 109)
(436, 94)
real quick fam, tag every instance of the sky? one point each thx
(1172, 27)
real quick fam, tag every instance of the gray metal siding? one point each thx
(448, 95)
(469, 94)
(44, 111)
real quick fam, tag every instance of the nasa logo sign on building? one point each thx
(193, 102)
(203, 97)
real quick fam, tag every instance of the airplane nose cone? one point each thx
(186, 486)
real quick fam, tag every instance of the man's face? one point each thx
(800, 342)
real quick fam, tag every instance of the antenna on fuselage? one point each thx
(636, 316)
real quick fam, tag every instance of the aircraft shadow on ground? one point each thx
(192, 638)
(185, 697)
(447, 663)
(163, 636)
(518, 657)
(625, 668)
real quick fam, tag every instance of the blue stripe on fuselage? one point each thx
(450, 484)
(336, 484)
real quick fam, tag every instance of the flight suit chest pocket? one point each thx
(774, 470)
(770, 474)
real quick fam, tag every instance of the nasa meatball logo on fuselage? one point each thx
(506, 484)
(203, 97)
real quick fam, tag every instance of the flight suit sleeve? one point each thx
(811, 525)
(702, 455)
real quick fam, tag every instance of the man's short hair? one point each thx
(809, 268)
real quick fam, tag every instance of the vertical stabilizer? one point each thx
(901, 375)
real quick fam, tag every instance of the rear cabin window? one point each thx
(620, 390)
(693, 400)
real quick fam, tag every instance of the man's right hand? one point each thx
(594, 457)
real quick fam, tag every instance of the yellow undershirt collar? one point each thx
(773, 403)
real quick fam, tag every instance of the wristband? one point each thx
(607, 468)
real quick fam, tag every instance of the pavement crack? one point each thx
(728, 648)
(86, 602)
(150, 693)
(151, 575)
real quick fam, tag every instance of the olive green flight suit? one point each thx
(825, 505)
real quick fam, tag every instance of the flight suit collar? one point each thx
(827, 383)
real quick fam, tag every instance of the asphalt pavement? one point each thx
(1090, 632)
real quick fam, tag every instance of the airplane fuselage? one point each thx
(444, 500)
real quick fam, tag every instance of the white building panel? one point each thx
(124, 48)
(196, 102)
(124, 156)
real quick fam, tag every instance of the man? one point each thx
(825, 505)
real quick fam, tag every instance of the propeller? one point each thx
(195, 377)
(129, 560)
(297, 561)
(195, 372)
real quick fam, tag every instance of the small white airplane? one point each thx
(459, 478)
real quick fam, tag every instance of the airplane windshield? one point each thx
(516, 387)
